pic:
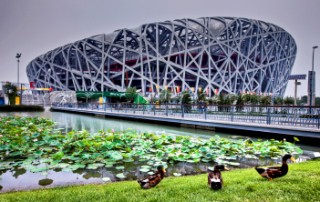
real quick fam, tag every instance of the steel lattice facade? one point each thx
(218, 54)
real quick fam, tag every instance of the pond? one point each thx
(19, 178)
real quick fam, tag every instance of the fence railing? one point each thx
(300, 116)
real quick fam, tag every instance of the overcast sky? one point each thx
(34, 27)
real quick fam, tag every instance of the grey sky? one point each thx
(34, 27)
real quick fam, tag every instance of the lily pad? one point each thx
(95, 166)
(106, 179)
(120, 175)
(108, 166)
(120, 167)
(35, 169)
(128, 160)
(144, 170)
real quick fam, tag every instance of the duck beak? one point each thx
(292, 159)
(164, 170)
(225, 168)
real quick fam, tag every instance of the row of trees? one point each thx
(223, 99)
(165, 97)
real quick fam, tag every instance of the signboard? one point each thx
(17, 100)
(297, 77)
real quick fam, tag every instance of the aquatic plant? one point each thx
(34, 144)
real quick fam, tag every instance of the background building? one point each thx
(216, 54)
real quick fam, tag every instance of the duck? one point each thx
(215, 180)
(275, 172)
(153, 180)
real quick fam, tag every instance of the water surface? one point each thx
(20, 179)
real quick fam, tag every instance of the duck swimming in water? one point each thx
(275, 172)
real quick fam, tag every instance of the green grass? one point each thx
(302, 183)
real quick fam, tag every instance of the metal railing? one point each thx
(299, 116)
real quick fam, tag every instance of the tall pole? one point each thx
(311, 86)
(18, 55)
(295, 92)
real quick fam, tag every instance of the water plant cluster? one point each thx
(36, 145)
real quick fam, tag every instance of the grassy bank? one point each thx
(302, 183)
(21, 108)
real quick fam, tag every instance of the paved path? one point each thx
(247, 126)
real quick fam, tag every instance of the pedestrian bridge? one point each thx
(302, 122)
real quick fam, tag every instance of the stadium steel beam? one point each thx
(217, 54)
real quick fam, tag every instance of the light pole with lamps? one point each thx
(18, 55)
(312, 80)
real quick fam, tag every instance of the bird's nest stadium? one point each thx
(216, 54)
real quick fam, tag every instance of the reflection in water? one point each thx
(68, 121)
(20, 179)
(95, 124)
(19, 171)
(45, 182)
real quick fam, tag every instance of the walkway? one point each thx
(274, 125)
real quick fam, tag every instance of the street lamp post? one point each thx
(18, 55)
(311, 80)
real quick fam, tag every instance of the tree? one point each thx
(165, 96)
(239, 103)
(131, 93)
(278, 101)
(231, 99)
(186, 101)
(288, 101)
(214, 100)
(265, 100)
(176, 99)
(304, 99)
(254, 99)
(11, 91)
(246, 98)
(201, 96)
(317, 101)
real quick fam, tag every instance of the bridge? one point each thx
(288, 121)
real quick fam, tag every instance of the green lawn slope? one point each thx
(302, 183)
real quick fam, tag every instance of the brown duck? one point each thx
(275, 172)
(215, 180)
(153, 180)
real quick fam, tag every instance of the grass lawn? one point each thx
(302, 183)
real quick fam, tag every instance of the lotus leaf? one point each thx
(35, 137)
(106, 179)
(120, 167)
(114, 155)
(145, 170)
(61, 165)
(36, 169)
(58, 155)
(95, 165)
(120, 175)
